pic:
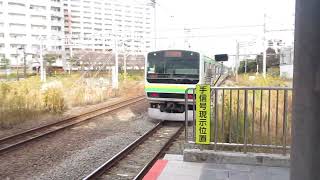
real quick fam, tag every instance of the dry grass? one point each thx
(29, 98)
(264, 121)
(258, 80)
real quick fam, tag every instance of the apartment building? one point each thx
(26, 24)
(104, 25)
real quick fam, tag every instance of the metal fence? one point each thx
(248, 118)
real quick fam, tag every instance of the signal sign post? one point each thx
(203, 114)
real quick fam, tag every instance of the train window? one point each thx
(179, 67)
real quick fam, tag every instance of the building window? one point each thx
(16, 14)
(56, 9)
(16, 25)
(37, 8)
(17, 35)
(38, 17)
(14, 4)
(56, 28)
(55, 18)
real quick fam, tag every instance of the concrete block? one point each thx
(222, 157)
(173, 157)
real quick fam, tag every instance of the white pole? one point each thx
(155, 23)
(116, 73)
(245, 65)
(17, 60)
(114, 81)
(42, 69)
(71, 56)
(125, 65)
(264, 47)
(257, 68)
(237, 60)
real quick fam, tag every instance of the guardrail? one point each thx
(247, 117)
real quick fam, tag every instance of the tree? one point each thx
(273, 59)
(5, 64)
(251, 66)
(50, 59)
(72, 62)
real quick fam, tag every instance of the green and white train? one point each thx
(169, 73)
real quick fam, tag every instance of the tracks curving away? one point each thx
(10, 143)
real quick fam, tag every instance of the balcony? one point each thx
(39, 2)
(57, 33)
(15, 9)
(56, 4)
(2, 51)
(17, 30)
(57, 23)
(38, 12)
(18, 40)
(42, 22)
(17, 19)
(35, 40)
(57, 13)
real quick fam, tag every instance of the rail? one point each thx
(247, 118)
(11, 142)
(106, 167)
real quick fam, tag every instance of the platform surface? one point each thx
(174, 168)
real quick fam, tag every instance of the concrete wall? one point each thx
(286, 71)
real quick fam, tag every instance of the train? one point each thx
(169, 73)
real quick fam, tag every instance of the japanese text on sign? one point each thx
(203, 114)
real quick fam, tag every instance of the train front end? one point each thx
(168, 75)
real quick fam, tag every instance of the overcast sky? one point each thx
(216, 25)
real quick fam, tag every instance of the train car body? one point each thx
(168, 74)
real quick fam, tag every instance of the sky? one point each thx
(215, 26)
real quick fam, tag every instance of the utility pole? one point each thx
(125, 54)
(69, 41)
(186, 39)
(264, 47)
(17, 59)
(237, 60)
(257, 67)
(42, 68)
(245, 65)
(155, 22)
(115, 76)
(24, 64)
(125, 65)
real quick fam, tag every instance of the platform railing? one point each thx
(247, 118)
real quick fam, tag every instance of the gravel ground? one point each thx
(178, 145)
(74, 153)
(51, 118)
(130, 166)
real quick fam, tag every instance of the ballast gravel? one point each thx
(74, 153)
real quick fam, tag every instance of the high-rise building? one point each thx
(71, 25)
(26, 24)
(103, 25)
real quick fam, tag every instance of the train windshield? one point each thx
(173, 67)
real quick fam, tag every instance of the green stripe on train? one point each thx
(167, 90)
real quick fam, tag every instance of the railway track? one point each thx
(12, 142)
(136, 159)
